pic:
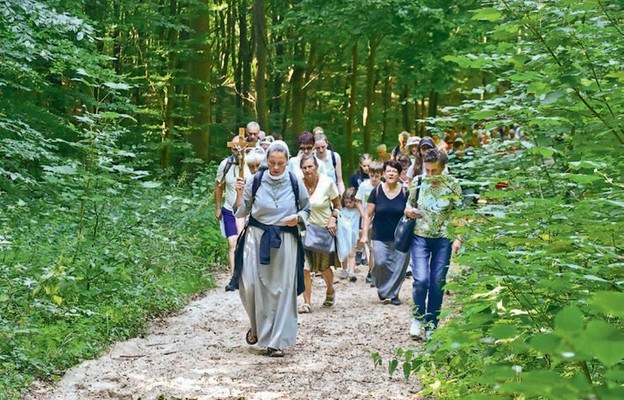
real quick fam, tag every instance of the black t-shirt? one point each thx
(387, 213)
(357, 178)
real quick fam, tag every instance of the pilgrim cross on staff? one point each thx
(239, 143)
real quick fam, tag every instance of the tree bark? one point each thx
(433, 104)
(387, 99)
(199, 95)
(373, 43)
(296, 90)
(405, 115)
(351, 106)
(245, 58)
(260, 33)
(169, 91)
(277, 79)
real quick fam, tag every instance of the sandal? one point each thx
(305, 308)
(251, 338)
(330, 299)
(271, 352)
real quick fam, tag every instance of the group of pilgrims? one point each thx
(269, 200)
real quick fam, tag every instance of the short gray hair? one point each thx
(253, 125)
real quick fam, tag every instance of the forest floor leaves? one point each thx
(201, 354)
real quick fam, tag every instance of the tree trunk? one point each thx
(351, 107)
(370, 90)
(405, 118)
(169, 91)
(296, 90)
(433, 104)
(260, 32)
(245, 58)
(199, 95)
(387, 99)
(308, 70)
(277, 79)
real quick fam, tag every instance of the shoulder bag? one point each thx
(405, 228)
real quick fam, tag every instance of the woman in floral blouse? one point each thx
(432, 246)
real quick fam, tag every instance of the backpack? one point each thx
(228, 166)
(257, 180)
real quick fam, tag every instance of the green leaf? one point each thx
(62, 169)
(487, 14)
(610, 303)
(609, 352)
(551, 98)
(151, 184)
(570, 319)
(545, 342)
(542, 151)
(504, 331)
(393, 366)
(115, 85)
(619, 75)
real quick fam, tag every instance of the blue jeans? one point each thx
(430, 263)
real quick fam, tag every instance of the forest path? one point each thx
(201, 353)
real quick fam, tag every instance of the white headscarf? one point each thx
(281, 147)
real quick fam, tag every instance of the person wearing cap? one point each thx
(425, 144)
(412, 150)
(266, 141)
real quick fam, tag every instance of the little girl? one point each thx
(352, 214)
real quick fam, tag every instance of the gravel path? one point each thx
(201, 354)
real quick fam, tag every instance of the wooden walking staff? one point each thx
(240, 144)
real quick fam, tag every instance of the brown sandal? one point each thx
(330, 299)
(251, 338)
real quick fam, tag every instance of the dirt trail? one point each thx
(201, 354)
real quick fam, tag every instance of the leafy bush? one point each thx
(66, 295)
(539, 308)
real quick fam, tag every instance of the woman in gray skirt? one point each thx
(270, 245)
(386, 204)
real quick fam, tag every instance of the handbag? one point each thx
(318, 239)
(404, 230)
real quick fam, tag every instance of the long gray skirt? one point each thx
(389, 270)
(269, 292)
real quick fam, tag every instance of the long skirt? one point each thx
(389, 270)
(269, 292)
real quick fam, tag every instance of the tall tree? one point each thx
(199, 96)
(260, 33)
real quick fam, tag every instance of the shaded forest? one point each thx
(112, 113)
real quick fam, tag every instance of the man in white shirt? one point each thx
(227, 173)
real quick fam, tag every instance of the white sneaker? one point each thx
(415, 329)
(343, 274)
(428, 334)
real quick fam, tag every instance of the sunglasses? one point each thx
(306, 148)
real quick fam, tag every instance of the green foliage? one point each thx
(540, 303)
(92, 244)
(72, 282)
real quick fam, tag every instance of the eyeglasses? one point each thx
(306, 148)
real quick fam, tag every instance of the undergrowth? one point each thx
(67, 294)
